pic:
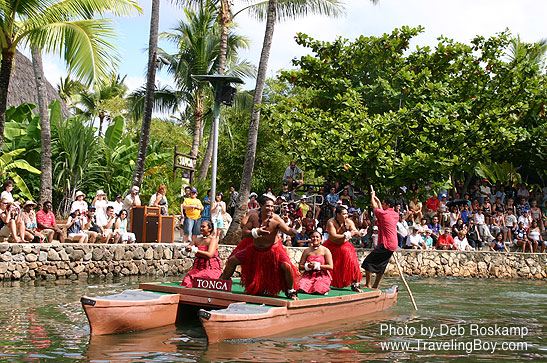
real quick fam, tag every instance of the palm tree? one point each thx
(104, 101)
(282, 9)
(61, 27)
(534, 53)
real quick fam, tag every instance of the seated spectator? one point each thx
(484, 232)
(445, 242)
(10, 221)
(252, 204)
(511, 223)
(523, 192)
(525, 218)
(521, 237)
(453, 216)
(522, 206)
(435, 228)
(301, 239)
(432, 207)
(498, 244)
(466, 214)
(459, 226)
(345, 198)
(498, 222)
(423, 225)
(74, 225)
(444, 212)
(534, 235)
(460, 242)
(487, 211)
(6, 193)
(415, 210)
(159, 199)
(473, 236)
(47, 224)
(109, 227)
(331, 199)
(286, 193)
(121, 228)
(510, 205)
(293, 176)
(31, 226)
(414, 240)
(91, 227)
(309, 223)
(303, 206)
(536, 214)
(427, 240)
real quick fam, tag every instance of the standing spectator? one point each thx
(193, 207)
(117, 204)
(47, 224)
(484, 191)
(445, 242)
(79, 203)
(252, 204)
(131, 200)
(234, 200)
(206, 215)
(291, 176)
(186, 194)
(286, 193)
(510, 224)
(402, 231)
(160, 200)
(100, 203)
(6, 193)
(218, 211)
(432, 207)
(10, 221)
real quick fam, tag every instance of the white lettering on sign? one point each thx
(186, 162)
(212, 284)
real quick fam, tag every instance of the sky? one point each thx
(460, 20)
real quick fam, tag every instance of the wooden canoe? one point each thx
(130, 310)
(249, 316)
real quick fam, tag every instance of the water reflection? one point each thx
(43, 321)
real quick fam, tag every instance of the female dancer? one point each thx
(207, 263)
(316, 261)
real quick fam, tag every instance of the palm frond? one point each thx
(292, 9)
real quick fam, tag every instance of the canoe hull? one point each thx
(223, 325)
(107, 316)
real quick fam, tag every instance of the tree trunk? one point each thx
(102, 115)
(225, 17)
(204, 167)
(46, 177)
(234, 231)
(138, 173)
(198, 116)
(5, 75)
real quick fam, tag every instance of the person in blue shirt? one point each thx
(206, 214)
(466, 214)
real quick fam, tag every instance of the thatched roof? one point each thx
(22, 86)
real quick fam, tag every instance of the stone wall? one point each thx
(73, 261)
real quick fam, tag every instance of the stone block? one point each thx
(119, 252)
(52, 255)
(63, 255)
(4, 246)
(149, 254)
(98, 253)
(6, 256)
(76, 255)
(139, 253)
(16, 248)
(31, 257)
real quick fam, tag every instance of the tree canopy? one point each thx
(373, 111)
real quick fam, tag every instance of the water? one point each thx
(43, 321)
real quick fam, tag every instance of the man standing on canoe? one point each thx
(266, 269)
(346, 269)
(378, 259)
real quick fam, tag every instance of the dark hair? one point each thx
(47, 202)
(73, 214)
(263, 199)
(109, 207)
(123, 210)
(187, 187)
(209, 224)
(499, 234)
(315, 231)
(7, 183)
(339, 209)
(389, 201)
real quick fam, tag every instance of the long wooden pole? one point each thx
(404, 281)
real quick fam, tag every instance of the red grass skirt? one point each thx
(315, 282)
(261, 272)
(345, 265)
(245, 242)
(208, 268)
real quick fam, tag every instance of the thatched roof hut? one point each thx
(22, 86)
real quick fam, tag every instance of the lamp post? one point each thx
(224, 93)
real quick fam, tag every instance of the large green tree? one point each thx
(374, 112)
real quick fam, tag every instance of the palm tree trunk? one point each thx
(225, 19)
(5, 75)
(46, 177)
(204, 167)
(138, 173)
(198, 117)
(101, 120)
(234, 232)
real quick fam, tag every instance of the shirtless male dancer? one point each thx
(266, 269)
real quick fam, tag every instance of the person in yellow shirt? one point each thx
(192, 207)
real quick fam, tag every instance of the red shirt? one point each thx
(445, 240)
(387, 228)
(432, 203)
(47, 220)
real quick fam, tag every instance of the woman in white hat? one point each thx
(79, 204)
(100, 202)
(28, 217)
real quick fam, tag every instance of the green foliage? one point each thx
(10, 167)
(498, 173)
(375, 112)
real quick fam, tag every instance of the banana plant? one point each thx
(10, 165)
